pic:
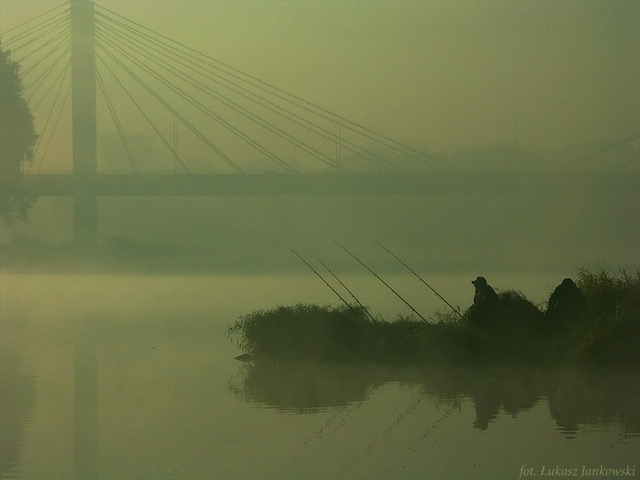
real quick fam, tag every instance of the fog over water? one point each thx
(115, 358)
(440, 233)
(442, 75)
(483, 87)
(134, 377)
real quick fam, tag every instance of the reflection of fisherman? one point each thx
(485, 303)
(567, 300)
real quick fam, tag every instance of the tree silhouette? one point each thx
(17, 139)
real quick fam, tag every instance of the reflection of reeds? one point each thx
(607, 333)
(577, 396)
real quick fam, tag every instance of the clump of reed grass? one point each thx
(446, 317)
(518, 331)
(610, 332)
(610, 295)
(303, 331)
(328, 333)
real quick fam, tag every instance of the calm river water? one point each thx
(133, 377)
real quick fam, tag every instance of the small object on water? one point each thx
(245, 357)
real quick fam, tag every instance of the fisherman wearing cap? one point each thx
(567, 302)
(485, 303)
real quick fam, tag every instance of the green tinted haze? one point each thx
(461, 79)
(444, 74)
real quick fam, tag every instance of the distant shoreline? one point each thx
(313, 333)
(124, 256)
(594, 320)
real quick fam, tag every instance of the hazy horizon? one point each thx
(505, 141)
(441, 75)
(477, 83)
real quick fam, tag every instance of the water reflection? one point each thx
(576, 397)
(595, 398)
(138, 400)
(306, 388)
(85, 399)
(17, 401)
(97, 382)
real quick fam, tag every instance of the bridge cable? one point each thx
(627, 164)
(63, 36)
(55, 28)
(261, 100)
(116, 121)
(55, 126)
(331, 135)
(240, 109)
(205, 110)
(295, 100)
(237, 89)
(174, 112)
(52, 85)
(142, 112)
(60, 82)
(33, 19)
(234, 88)
(47, 32)
(608, 148)
(64, 46)
(63, 77)
(51, 27)
(305, 104)
(40, 80)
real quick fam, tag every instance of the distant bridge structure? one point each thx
(244, 117)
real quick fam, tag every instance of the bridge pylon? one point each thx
(84, 123)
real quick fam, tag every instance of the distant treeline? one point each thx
(122, 255)
(605, 332)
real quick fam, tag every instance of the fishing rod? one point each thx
(343, 286)
(419, 278)
(321, 277)
(380, 278)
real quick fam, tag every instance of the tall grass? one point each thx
(328, 333)
(608, 333)
(610, 295)
(303, 331)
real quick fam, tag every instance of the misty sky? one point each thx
(443, 74)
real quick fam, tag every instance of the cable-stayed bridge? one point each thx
(209, 128)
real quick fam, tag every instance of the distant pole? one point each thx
(84, 128)
(175, 147)
(338, 145)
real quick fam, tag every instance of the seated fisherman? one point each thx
(485, 303)
(567, 301)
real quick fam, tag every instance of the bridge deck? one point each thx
(331, 184)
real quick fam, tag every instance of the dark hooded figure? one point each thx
(567, 301)
(485, 303)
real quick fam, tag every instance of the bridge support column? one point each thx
(85, 215)
(84, 124)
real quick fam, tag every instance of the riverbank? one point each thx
(118, 255)
(607, 332)
(122, 255)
